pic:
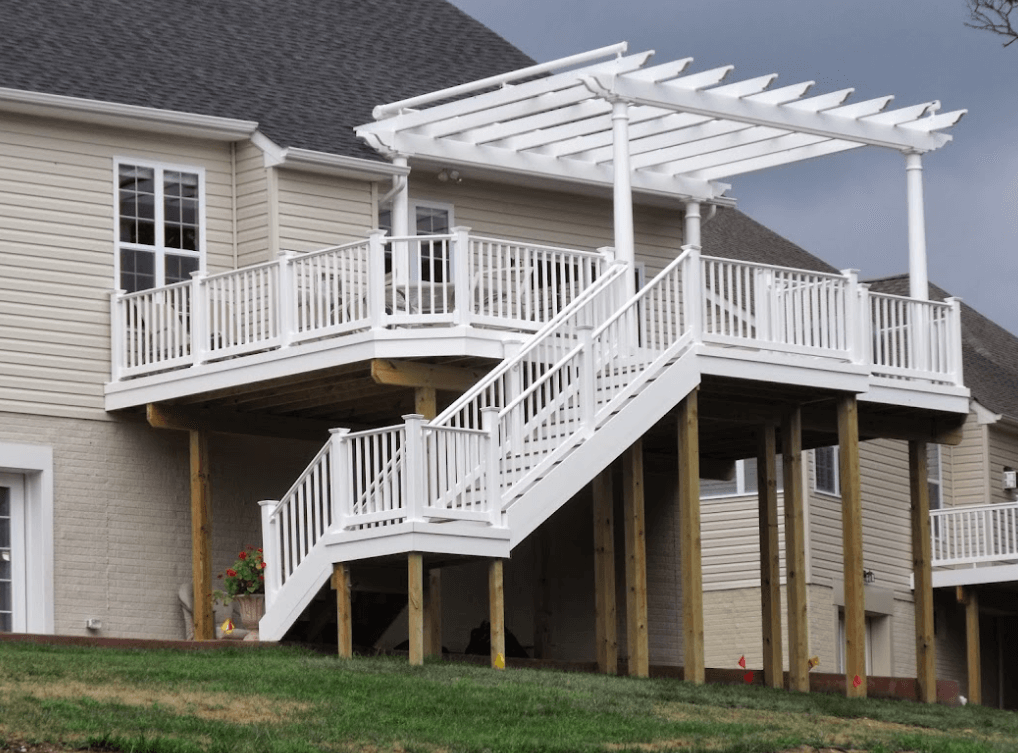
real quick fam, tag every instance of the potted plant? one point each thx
(245, 584)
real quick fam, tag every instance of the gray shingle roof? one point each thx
(306, 70)
(731, 234)
(989, 352)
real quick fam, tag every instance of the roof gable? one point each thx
(306, 70)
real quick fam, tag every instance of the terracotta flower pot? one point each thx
(252, 609)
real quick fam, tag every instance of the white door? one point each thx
(13, 612)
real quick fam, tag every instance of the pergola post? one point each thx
(401, 225)
(851, 522)
(922, 573)
(917, 276)
(795, 551)
(623, 189)
(691, 225)
(770, 564)
(689, 525)
(605, 626)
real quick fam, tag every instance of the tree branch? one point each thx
(994, 16)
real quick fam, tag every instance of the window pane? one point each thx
(432, 221)
(5, 597)
(5, 564)
(5, 623)
(179, 268)
(137, 270)
(826, 469)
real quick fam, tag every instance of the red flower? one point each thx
(259, 551)
(243, 555)
(263, 566)
(261, 577)
(230, 572)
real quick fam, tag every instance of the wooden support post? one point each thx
(433, 613)
(344, 615)
(770, 562)
(925, 656)
(415, 606)
(636, 561)
(542, 595)
(851, 522)
(201, 536)
(970, 599)
(795, 552)
(689, 522)
(605, 625)
(496, 611)
(425, 402)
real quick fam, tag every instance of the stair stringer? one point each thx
(609, 440)
(298, 592)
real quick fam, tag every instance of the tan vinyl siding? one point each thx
(252, 206)
(317, 211)
(968, 466)
(552, 218)
(57, 246)
(730, 541)
(1003, 453)
(887, 544)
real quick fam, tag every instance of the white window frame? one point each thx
(741, 487)
(159, 249)
(837, 472)
(937, 479)
(32, 467)
(15, 486)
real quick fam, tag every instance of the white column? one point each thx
(623, 194)
(918, 279)
(691, 229)
(401, 226)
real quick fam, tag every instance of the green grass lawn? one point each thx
(290, 700)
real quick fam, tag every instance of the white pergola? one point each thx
(605, 118)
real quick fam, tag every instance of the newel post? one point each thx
(118, 334)
(339, 478)
(489, 422)
(693, 292)
(954, 341)
(199, 319)
(460, 259)
(287, 315)
(271, 551)
(376, 279)
(413, 455)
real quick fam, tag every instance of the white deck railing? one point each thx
(437, 280)
(974, 535)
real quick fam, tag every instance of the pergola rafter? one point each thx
(621, 124)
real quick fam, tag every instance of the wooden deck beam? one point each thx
(689, 523)
(636, 561)
(851, 521)
(344, 613)
(605, 619)
(201, 536)
(415, 607)
(795, 551)
(234, 422)
(770, 563)
(922, 573)
(417, 374)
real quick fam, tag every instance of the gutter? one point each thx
(119, 115)
(325, 163)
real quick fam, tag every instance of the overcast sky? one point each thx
(848, 209)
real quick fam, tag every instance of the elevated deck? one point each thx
(975, 545)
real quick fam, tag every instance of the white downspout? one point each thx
(625, 244)
(918, 278)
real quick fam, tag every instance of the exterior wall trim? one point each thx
(119, 115)
(36, 463)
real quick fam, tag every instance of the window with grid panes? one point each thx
(825, 462)
(160, 224)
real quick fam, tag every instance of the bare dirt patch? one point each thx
(222, 707)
